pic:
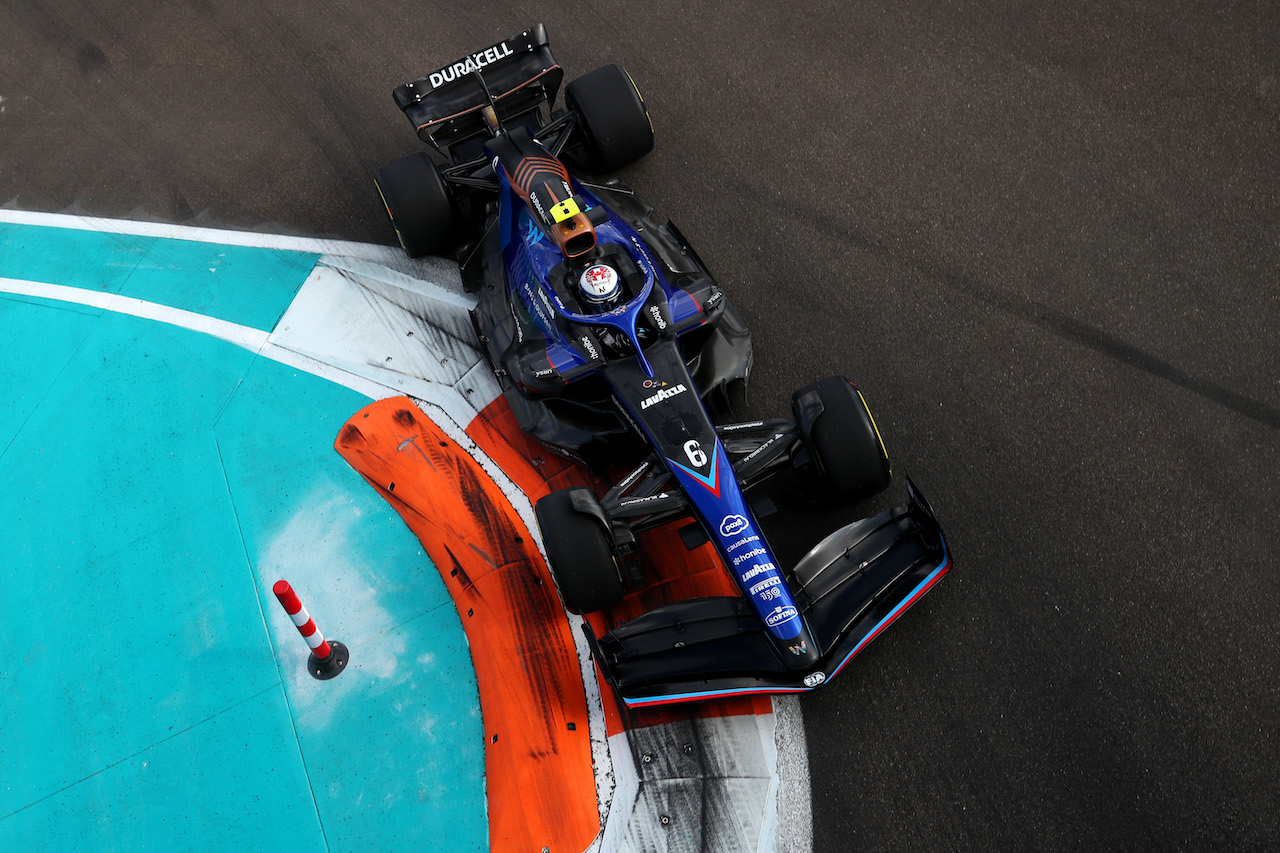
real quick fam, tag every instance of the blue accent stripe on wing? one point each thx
(923, 587)
(672, 698)
(710, 480)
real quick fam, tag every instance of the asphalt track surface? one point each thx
(1043, 237)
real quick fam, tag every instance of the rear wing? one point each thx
(520, 72)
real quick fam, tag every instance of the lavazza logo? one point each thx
(471, 64)
(758, 570)
(663, 394)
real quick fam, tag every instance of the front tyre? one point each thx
(616, 127)
(418, 203)
(847, 455)
(579, 551)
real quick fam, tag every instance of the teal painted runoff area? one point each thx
(155, 482)
(248, 286)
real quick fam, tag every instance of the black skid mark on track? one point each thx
(458, 571)
(532, 625)
(511, 553)
(90, 58)
(351, 436)
(503, 543)
(673, 787)
(1051, 320)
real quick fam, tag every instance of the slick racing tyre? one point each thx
(579, 550)
(847, 455)
(418, 203)
(615, 125)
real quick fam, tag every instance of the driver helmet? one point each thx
(600, 286)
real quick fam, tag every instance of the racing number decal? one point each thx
(694, 451)
(698, 458)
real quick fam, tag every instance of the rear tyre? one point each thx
(847, 456)
(579, 551)
(615, 124)
(418, 203)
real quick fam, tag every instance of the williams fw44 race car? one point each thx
(610, 339)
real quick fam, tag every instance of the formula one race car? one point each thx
(609, 336)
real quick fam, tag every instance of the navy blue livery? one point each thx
(614, 345)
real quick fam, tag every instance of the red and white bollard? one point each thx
(328, 657)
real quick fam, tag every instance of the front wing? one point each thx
(849, 588)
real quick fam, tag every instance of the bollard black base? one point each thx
(323, 669)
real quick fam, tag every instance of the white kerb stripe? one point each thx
(251, 339)
(165, 231)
